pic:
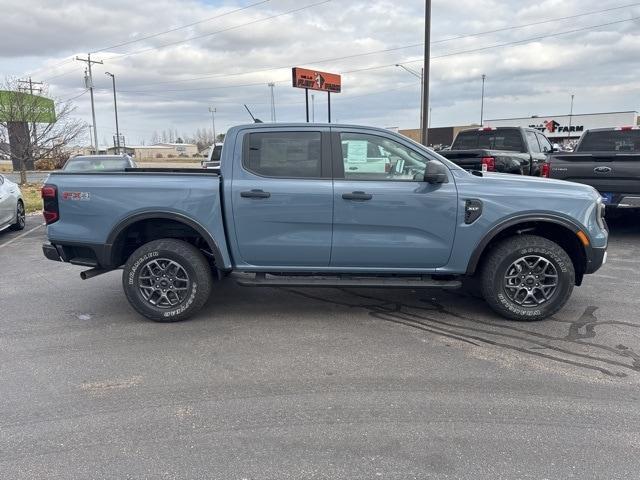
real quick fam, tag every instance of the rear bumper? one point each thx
(77, 254)
(622, 200)
(51, 252)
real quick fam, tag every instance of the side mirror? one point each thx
(435, 172)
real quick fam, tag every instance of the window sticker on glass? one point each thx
(357, 151)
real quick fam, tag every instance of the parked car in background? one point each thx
(518, 150)
(99, 163)
(213, 159)
(608, 159)
(12, 212)
(327, 206)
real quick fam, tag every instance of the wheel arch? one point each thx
(555, 228)
(115, 244)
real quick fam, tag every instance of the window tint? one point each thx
(533, 142)
(544, 143)
(370, 157)
(611, 141)
(284, 154)
(504, 139)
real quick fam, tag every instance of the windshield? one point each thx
(88, 164)
(504, 139)
(611, 141)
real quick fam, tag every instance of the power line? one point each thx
(74, 97)
(253, 22)
(527, 40)
(154, 35)
(387, 50)
(372, 52)
(516, 42)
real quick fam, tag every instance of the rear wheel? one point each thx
(527, 278)
(20, 217)
(167, 280)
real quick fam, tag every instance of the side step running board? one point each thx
(268, 280)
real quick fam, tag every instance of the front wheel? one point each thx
(167, 280)
(527, 278)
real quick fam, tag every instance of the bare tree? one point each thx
(35, 140)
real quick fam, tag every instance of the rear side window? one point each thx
(284, 154)
(508, 139)
(611, 141)
(533, 142)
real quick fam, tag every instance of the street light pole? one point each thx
(421, 77)
(482, 101)
(115, 106)
(273, 102)
(213, 123)
(313, 108)
(425, 75)
(570, 115)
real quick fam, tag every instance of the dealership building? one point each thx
(558, 128)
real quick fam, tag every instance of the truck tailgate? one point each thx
(606, 172)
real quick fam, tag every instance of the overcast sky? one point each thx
(237, 54)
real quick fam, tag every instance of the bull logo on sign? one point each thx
(551, 125)
(319, 80)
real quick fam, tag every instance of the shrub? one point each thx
(159, 155)
(171, 155)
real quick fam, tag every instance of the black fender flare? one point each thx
(474, 260)
(178, 217)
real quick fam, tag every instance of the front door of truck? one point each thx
(385, 215)
(282, 196)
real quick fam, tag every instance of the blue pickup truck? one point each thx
(326, 206)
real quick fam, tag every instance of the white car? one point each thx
(11, 205)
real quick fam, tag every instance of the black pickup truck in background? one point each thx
(518, 150)
(608, 159)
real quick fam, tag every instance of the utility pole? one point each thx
(421, 77)
(425, 76)
(89, 62)
(570, 115)
(115, 106)
(273, 102)
(482, 100)
(213, 123)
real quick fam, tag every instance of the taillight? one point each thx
(545, 170)
(488, 164)
(50, 211)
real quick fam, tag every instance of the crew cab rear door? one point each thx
(282, 198)
(385, 215)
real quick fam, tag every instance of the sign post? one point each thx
(314, 80)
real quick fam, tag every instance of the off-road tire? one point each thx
(20, 217)
(502, 257)
(197, 288)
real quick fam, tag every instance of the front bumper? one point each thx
(595, 259)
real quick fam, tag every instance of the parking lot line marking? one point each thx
(21, 235)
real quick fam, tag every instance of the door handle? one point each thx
(357, 196)
(256, 193)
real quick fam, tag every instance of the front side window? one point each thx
(370, 157)
(284, 154)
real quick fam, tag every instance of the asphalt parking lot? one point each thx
(326, 383)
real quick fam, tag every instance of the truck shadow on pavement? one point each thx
(574, 345)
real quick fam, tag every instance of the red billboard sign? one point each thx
(314, 80)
